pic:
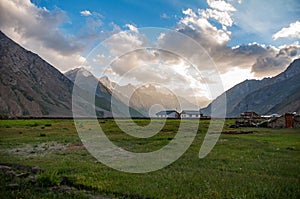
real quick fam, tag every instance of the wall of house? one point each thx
(190, 116)
(173, 115)
(278, 123)
(296, 121)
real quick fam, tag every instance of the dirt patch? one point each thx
(75, 146)
(37, 149)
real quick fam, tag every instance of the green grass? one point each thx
(264, 164)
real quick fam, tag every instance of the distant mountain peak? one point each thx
(83, 71)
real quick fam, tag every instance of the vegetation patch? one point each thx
(262, 164)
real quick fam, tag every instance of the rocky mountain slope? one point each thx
(29, 86)
(278, 94)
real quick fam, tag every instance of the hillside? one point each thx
(279, 94)
(29, 86)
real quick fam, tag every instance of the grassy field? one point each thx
(265, 164)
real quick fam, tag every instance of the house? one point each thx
(278, 122)
(287, 120)
(296, 121)
(168, 114)
(249, 115)
(248, 118)
(191, 114)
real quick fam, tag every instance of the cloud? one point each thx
(275, 61)
(209, 28)
(261, 19)
(164, 16)
(37, 29)
(221, 5)
(124, 42)
(155, 66)
(132, 28)
(85, 13)
(223, 18)
(292, 31)
(196, 24)
(261, 60)
(144, 58)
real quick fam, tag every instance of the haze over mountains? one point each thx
(142, 98)
(30, 87)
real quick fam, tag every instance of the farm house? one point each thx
(168, 114)
(190, 114)
(287, 120)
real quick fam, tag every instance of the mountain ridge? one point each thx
(31, 87)
(264, 96)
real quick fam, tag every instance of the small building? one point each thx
(191, 114)
(287, 120)
(168, 114)
(278, 122)
(248, 118)
(296, 121)
(249, 115)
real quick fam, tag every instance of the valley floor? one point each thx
(46, 159)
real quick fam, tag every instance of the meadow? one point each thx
(264, 164)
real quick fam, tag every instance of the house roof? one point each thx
(270, 116)
(249, 113)
(191, 112)
(166, 112)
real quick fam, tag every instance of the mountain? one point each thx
(86, 81)
(29, 86)
(279, 94)
(143, 98)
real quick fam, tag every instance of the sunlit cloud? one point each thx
(85, 13)
(292, 31)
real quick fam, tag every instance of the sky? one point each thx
(242, 39)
